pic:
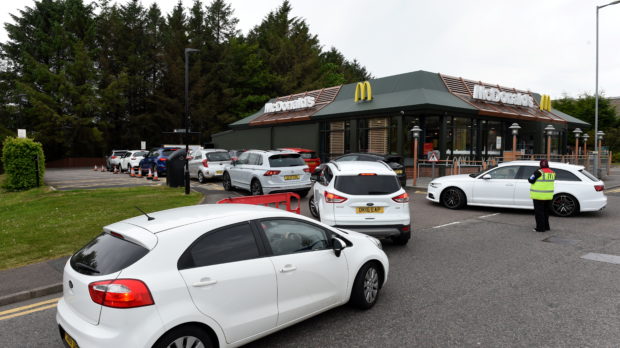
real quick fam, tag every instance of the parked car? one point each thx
(234, 154)
(262, 172)
(219, 275)
(156, 160)
(114, 160)
(506, 186)
(394, 161)
(309, 156)
(132, 159)
(208, 163)
(362, 196)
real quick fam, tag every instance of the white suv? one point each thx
(208, 163)
(132, 159)
(263, 172)
(362, 196)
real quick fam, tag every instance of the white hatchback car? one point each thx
(362, 196)
(208, 163)
(506, 186)
(212, 276)
(263, 172)
(132, 159)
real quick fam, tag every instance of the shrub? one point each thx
(18, 157)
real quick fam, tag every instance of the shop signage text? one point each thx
(495, 95)
(299, 103)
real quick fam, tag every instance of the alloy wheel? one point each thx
(256, 188)
(314, 210)
(452, 198)
(186, 342)
(201, 178)
(371, 285)
(564, 205)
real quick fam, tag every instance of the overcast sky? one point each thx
(547, 46)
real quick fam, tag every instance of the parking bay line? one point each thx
(458, 222)
(19, 311)
(602, 258)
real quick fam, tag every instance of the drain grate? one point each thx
(559, 240)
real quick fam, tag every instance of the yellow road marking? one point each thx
(19, 311)
(420, 192)
(616, 190)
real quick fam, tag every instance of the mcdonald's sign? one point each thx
(363, 91)
(545, 102)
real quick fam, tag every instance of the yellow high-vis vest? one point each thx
(543, 188)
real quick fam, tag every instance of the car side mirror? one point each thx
(338, 245)
(486, 176)
(313, 178)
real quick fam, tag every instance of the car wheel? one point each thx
(564, 205)
(314, 209)
(303, 194)
(401, 240)
(453, 198)
(185, 337)
(255, 188)
(366, 287)
(201, 177)
(226, 182)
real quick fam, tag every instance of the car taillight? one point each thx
(307, 170)
(113, 157)
(333, 198)
(405, 228)
(205, 163)
(271, 172)
(120, 293)
(367, 174)
(599, 188)
(163, 159)
(404, 198)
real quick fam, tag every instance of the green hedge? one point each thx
(18, 158)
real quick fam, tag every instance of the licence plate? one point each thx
(398, 171)
(219, 172)
(365, 210)
(291, 177)
(70, 341)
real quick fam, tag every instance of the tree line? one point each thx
(86, 77)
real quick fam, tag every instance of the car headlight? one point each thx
(435, 184)
(376, 241)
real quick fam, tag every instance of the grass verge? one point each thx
(40, 224)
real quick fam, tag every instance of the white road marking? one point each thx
(486, 216)
(452, 223)
(602, 258)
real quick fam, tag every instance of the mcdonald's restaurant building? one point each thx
(459, 118)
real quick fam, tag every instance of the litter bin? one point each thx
(175, 168)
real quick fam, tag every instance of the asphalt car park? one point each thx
(471, 277)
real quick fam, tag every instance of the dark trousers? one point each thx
(542, 209)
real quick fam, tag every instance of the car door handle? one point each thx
(288, 268)
(509, 185)
(205, 282)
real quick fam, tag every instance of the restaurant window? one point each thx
(393, 135)
(462, 136)
(337, 138)
(431, 133)
(408, 124)
(493, 132)
(378, 135)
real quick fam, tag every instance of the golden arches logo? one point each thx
(363, 91)
(545, 102)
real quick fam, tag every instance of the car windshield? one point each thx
(218, 156)
(106, 254)
(308, 155)
(364, 185)
(288, 160)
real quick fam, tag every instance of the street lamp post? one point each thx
(596, 149)
(549, 130)
(599, 137)
(515, 131)
(415, 132)
(186, 120)
(577, 133)
(585, 148)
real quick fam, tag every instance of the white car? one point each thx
(208, 163)
(263, 172)
(114, 160)
(132, 159)
(362, 196)
(506, 186)
(217, 275)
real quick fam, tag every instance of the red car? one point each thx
(309, 156)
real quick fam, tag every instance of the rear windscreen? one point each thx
(218, 156)
(138, 154)
(308, 155)
(167, 152)
(588, 175)
(288, 160)
(106, 254)
(119, 153)
(367, 184)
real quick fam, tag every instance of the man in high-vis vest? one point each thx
(541, 191)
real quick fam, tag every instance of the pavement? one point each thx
(45, 278)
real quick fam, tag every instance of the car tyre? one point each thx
(453, 198)
(314, 209)
(256, 188)
(201, 177)
(366, 287)
(226, 182)
(564, 205)
(303, 194)
(185, 337)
